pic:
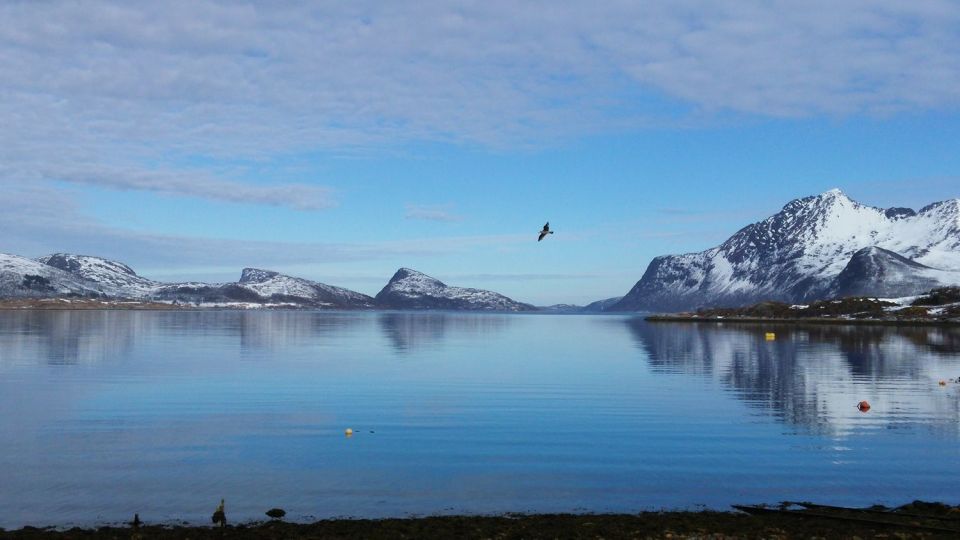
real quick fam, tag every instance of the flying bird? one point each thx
(546, 230)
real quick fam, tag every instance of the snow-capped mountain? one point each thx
(409, 289)
(798, 254)
(280, 288)
(21, 277)
(64, 274)
(113, 277)
(69, 275)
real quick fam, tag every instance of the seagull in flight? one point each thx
(546, 230)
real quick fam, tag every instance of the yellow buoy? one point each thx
(771, 336)
(348, 432)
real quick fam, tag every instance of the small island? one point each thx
(940, 306)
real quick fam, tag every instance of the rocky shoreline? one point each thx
(672, 524)
(939, 307)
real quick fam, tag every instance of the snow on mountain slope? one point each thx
(879, 272)
(21, 277)
(796, 254)
(113, 276)
(64, 274)
(409, 289)
(275, 286)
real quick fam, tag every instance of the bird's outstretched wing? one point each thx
(542, 234)
(547, 226)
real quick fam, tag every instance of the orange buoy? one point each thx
(943, 383)
(863, 406)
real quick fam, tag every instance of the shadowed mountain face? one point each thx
(25, 278)
(798, 254)
(875, 271)
(115, 275)
(809, 375)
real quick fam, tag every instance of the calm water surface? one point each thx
(103, 414)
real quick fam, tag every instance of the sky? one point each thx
(340, 141)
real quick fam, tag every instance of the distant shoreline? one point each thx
(800, 321)
(939, 307)
(89, 304)
(69, 304)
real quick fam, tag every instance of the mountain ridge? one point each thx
(797, 254)
(410, 289)
(65, 275)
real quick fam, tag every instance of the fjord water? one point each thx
(108, 413)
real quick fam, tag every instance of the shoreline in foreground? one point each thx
(938, 521)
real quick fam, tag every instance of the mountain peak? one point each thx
(795, 254)
(81, 264)
(410, 289)
(409, 274)
(833, 196)
(23, 277)
(826, 200)
(111, 277)
(256, 275)
(949, 205)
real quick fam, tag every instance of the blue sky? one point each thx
(341, 142)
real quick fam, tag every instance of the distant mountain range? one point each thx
(816, 248)
(63, 275)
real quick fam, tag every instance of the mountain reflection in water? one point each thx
(813, 375)
(412, 330)
(108, 413)
(87, 336)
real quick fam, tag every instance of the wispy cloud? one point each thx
(194, 183)
(38, 220)
(442, 212)
(257, 78)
